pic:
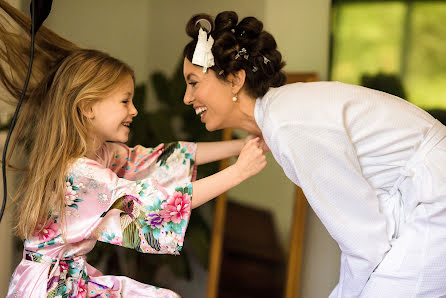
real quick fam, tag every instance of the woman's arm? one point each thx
(250, 162)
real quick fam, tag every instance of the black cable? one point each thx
(17, 110)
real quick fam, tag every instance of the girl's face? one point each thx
(211, 98)
(112, 115)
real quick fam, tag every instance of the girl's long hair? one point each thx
(65, 80)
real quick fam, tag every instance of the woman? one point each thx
(370, 164)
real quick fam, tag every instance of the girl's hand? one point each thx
(251, 159)
(262, 143)
(248, 138)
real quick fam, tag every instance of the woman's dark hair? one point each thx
(262, 61)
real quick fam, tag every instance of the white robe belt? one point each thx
(391, 204)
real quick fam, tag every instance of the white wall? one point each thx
(149, 35)
(116, 27)
(301, 29)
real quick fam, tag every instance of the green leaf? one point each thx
(175, 227)
(156, 233)
(51, 242)
(74, 206)
(146, 229)
(156, 205)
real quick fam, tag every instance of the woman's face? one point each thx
(211, 98)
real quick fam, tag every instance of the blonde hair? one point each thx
(51, 123)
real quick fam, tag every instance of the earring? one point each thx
(234, 98)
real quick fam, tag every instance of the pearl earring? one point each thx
(234, 98)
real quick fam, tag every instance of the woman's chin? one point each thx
(210, 127)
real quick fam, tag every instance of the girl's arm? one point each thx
(250, 162)
(212, 151)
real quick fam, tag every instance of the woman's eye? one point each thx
(192, 83)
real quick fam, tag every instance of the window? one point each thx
(404, 39)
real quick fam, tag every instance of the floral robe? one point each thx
(138, 198)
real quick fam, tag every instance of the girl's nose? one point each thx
(133, 110)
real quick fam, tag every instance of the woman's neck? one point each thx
(247, 121)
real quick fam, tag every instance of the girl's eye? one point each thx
(125, 101)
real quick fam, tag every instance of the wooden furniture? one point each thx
(253, 262)
(293, 272)
(296, 248)
(217, 233)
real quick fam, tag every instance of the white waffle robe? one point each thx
(373, 168)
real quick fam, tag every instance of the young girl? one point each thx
(82, 184)
(370, 164)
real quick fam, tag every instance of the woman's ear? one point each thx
(238, 80)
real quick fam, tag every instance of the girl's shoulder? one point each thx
(84, 166)
(104, 157)
(90, 173)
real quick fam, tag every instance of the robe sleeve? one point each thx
(141, 213)
(139, 162)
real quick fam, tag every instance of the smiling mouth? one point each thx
(200, 111)
(127, 124)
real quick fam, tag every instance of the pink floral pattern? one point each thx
(120, 200)
(63, 266)
(82, 289)
(50, 231)
(176, 208)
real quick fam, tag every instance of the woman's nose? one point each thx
(187, 99)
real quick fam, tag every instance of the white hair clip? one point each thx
(266, 60)
(203, 54)
(243, 53)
